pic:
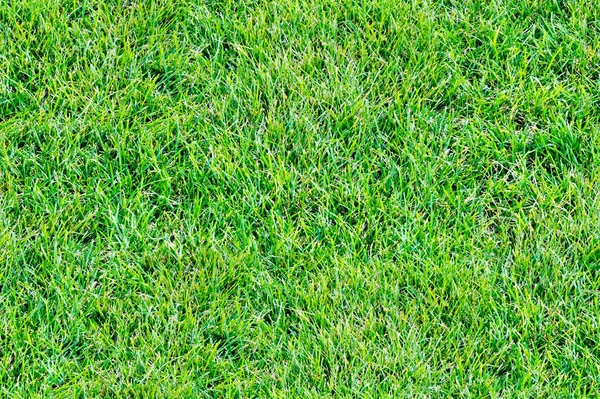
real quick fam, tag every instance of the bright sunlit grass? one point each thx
(299, 199)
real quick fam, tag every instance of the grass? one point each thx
(299, 198)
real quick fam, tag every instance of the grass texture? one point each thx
(299, 199)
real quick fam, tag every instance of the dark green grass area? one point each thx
(299, 199)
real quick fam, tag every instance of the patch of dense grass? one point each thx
(299, 198)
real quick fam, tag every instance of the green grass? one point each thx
(299, 199)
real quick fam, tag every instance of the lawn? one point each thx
(299, 199)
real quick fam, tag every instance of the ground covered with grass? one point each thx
(299, 198)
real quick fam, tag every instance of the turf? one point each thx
(299, 199)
